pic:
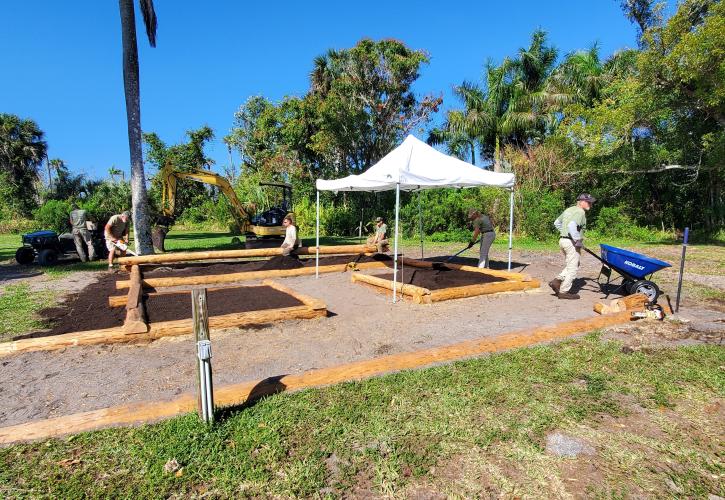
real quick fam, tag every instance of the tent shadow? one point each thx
(470, 261)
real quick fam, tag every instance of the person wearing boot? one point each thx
(571, 224)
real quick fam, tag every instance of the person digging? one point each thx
(116, 234)
(291, 239)
(379, 239)
(481, 226)
(571, 224)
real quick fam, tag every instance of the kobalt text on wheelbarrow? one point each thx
(635, 269)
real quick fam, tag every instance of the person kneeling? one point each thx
(379, 239)
(291, 240)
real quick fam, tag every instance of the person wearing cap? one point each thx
(571, 224)
(81, 235)
(481, 226)
(116, 233)
(291, 240)
(379, 239)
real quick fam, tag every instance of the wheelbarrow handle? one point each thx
(594, 255)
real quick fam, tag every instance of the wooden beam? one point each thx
(628, 303)
(311, 302)
(482, 270)
(156, 330)
(135, 314)
(235, 254)
(419, 294)
(459, 292)
(214, 279)
(238, 394)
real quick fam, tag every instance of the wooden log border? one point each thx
(310, 308)
(237, 394)
(482, 270)
(166, 258)
(215, 279)
(420, 295)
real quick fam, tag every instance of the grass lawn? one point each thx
(653, 420)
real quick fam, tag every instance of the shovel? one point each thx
(459, 253)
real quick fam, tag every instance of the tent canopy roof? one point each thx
(416, 165)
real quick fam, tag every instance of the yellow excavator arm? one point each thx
(242, 212)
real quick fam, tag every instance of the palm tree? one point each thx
(139, 198)
(113, 172)
(22, 150)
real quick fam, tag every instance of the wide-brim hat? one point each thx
(586, 197)
(378, 219)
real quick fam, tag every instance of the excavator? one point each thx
(260, 229)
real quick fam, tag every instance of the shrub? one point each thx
(537, 212)
(53, 215)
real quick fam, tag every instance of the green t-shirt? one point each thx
(483, 224)
(118, 228)
(381, 231)
(576, 214)
(78, 219)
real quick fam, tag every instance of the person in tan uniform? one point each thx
(571, 224)
(380, 238)
(116, 233)
(291, 239)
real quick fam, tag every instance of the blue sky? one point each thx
(62, 60)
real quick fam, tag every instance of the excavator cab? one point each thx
(266, 226)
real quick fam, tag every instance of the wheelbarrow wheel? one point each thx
(647, 288)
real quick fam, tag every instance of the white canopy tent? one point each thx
(413, 166)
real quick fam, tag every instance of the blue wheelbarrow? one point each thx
(635, 269)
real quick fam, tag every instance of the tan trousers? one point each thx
(382, 244)
(82, 238)
(571, 259)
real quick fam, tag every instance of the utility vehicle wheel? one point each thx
(647, 288)
(47, 257)
(25, 256)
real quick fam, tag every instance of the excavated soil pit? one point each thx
(278, 262)
(433, 279)
(174, 306)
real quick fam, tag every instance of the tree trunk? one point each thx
(139, 201)
(497, 157)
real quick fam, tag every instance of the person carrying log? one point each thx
(81, 235)
(380, 238)
(116, 234)
(481, 226)
(291, 239)
(571, 224)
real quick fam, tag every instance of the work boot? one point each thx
(567, 295)
(555, 285)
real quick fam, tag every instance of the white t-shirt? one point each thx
(290, 237)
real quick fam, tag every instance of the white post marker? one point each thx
(200, 319)
(420, 221)
(395, 250)
(511, 224)
(317, 238)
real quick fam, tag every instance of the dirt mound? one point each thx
(436, 279)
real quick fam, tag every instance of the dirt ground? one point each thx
(362, 324)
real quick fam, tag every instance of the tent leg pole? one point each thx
(395, 246)
(511, 224)
(420, 223)
(317, 239)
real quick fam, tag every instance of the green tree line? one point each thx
(642, 129)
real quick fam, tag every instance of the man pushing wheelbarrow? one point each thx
(635, 269)
(571, 224)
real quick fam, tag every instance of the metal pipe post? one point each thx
(682, 268)
(395, 250)
(317, 238)
(200, 319)
(420, 222)
(511, 224)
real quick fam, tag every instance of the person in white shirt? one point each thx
(291, 240)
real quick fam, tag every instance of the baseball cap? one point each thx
(586, 197)
(378, 219)
(126, 213)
